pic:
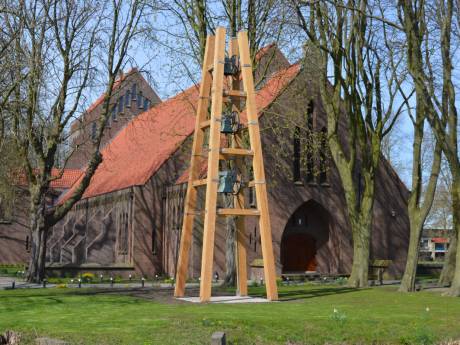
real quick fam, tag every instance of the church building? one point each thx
(130, 218)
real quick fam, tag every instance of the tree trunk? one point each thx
(36, 270)
(455, 288)
(408, 280)
(361, 244)
(447, 273)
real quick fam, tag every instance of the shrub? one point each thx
(169, 280)
(88, 277)
(279, 281)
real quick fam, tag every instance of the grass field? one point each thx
(305, 315)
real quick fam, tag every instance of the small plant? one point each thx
(207, 323)
(61, 286)
(338, 317)
(341, 280)
(169, 281)
(88, 277)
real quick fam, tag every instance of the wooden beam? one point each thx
(205, 124)
(258, 167)
(238, 200)
(199, 183)
(234, 93)
(230, 151)
(237, 212)
(213, 167)
(191, 196)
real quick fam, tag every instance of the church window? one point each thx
(93, 130)
(310, 143)
(114, 113)
(139, 100)
(123, 233)
(128, 99)
(323, 157)
(296, 161)
(120, 104)
(134, 92)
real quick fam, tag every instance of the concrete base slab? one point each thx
(226, 299)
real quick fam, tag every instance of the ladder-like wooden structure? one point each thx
(212, 88)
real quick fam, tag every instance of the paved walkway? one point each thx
(226, 299)
(7, 282)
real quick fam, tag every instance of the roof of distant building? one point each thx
(63, 178)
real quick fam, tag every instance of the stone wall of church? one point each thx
(96, 232)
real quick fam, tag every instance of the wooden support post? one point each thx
(191, 196)
(258, 166)
(213, 76)
(238, 200)
(213, 167)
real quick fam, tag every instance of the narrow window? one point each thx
(120, 104)
(134, 92)
(323, 157)
(146, 103)
(310, 115)
(123, 224)
(93, 130)
(139, 100)
(310, 144)
(296, 162)
(27, 244)
(128, 99)
(360, 189)
(114, 113)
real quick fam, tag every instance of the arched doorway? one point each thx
(305, 234)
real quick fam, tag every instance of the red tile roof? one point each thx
(68, 178)
(141, 148)
(264, 50)
(440, 240)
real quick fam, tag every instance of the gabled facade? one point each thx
(130, 217)
(131, 96)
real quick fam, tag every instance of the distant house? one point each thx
(434, 244)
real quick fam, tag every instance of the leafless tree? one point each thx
(59, 48)
(353, 73)
(429, 25)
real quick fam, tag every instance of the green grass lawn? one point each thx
(305, 316)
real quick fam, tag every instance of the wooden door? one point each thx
(298, 253)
